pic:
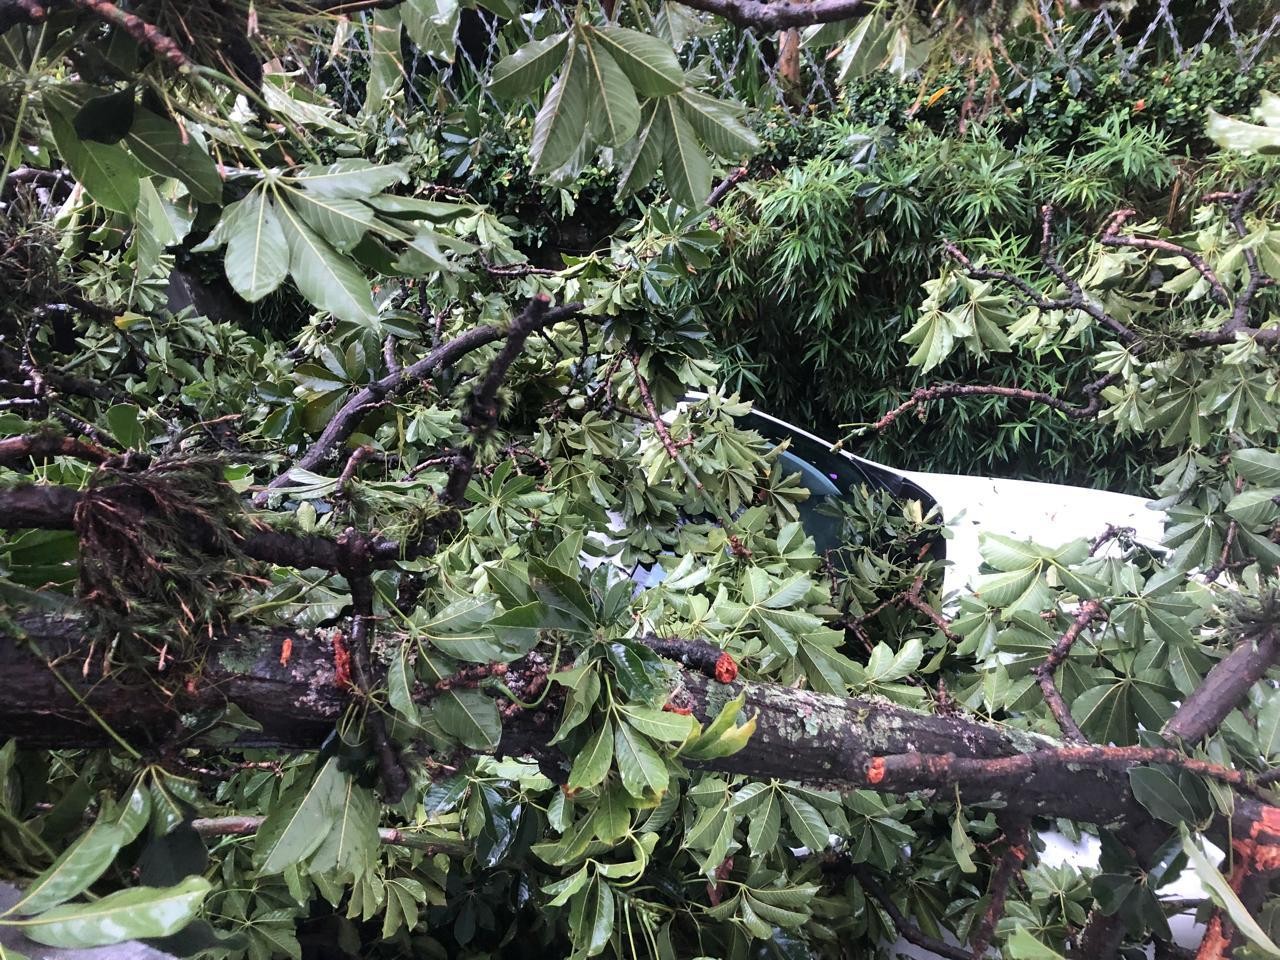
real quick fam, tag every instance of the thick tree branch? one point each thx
(48, 507)
(1225, 686)
(40, 446)
(800, 735)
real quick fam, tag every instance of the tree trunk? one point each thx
(800, 735)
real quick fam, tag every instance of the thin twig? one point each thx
(1089, 611)
(1008, 866)
(481, 417)
(395, 781)
(1111, 237)
(906, 929)
(655, 417)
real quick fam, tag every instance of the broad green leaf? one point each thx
(727, 743)
(643, 772)
(326, 278)
(126, 915)
(593, 760)
(431, 25)
(615, 113)
(1254, 507)
(717, 124)
(400, 689)
(649, 63)
(108, 173)
(962, 847)
(1258, 466)
(1156, 791)
(1021, 945)
(75, 870)
(295, 828)
(806, 822)
(470, 717)
(660, 724)
(257, 259)
(351, 842)
(1269, 727)
(766, 820)
(524, 71)
(1222, 894)
(349, 179)
(685, 167)
(386, 72)
(341, 221)
(561, 121)
(1235, 134)
(644, 154)
(160, 145)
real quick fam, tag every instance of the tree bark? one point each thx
(286, 681)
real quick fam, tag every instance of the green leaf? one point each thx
(615, 112)
(160, 146)
(685, 167)
(524, 71)
(594, 760)
(127, 915)
(660, 724)
(1235, 134)
(1254, 507)
(1156, 791)
(341, 221)
(75, 870)
(766, 821)
(644, 154)
(295, 828)
(717, 124)
(643, 772)
(561, 121)
(108, 173)
(469, 717)
(327, 279)
(806, 822)
(257, 259)
(649, 63)
(349, 179)
(1021, 945)
(1222, 894)
(431, 25)
(352, 840)
(122, 421)
(962, 847)
(386, 72)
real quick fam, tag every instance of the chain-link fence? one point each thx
(746, 65)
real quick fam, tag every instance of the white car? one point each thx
(1047, 513)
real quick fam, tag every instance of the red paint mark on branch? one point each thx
(875, 770)
(341, 663)
(726, 669)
